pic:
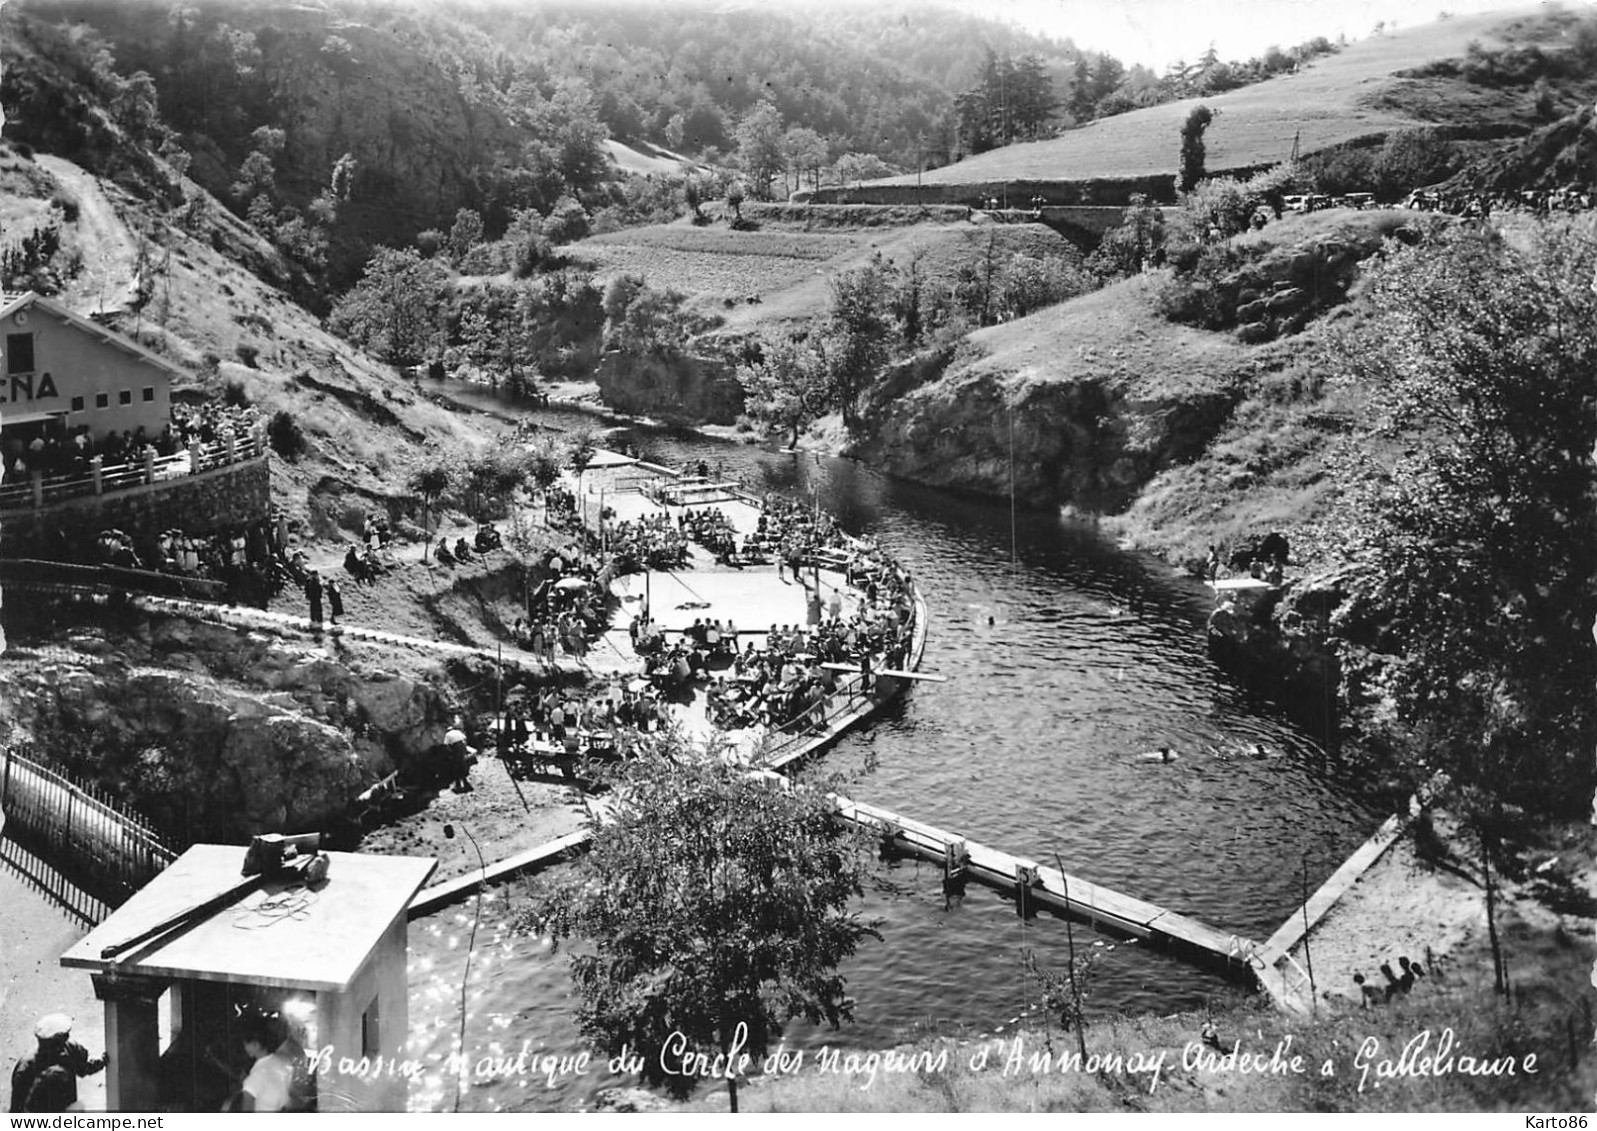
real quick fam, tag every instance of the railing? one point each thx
(39, 491)
(24, 573)
(90, 840)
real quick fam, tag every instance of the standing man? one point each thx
(459, 757)
(313, 593)
(335, 600)
(48, 1079)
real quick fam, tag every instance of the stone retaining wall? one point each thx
(236, 495)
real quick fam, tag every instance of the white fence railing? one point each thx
(100, 479)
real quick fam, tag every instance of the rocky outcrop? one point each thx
(218, 734)
(1282, 640)
(677, 388)
(1091, 442)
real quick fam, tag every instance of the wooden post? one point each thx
(132, 1041)
(887, 849)
(149, 464)
(955, 857)
(36, 479)
(1025, 880)
(97, 473)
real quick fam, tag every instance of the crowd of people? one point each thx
(650, 542)
(544, 723)
(485, 541)
(712, 529)
(785, 682)
(1395, 985)
(241, 557)
(58, 454)
(1481, 204)
(565, 611)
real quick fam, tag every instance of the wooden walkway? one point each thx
(1039, 888)
(1281, 976)
(431, 899)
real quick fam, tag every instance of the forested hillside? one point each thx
(397, 117)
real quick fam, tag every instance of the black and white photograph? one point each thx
(695, 556)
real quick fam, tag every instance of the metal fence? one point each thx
(79, 837)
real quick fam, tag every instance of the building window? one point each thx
(102, 400)
(370, 1038)
(149, 393)
(125, 397)
(77, 404)
(19, 353)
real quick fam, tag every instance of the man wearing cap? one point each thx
(47, 1080)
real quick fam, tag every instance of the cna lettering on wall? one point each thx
(63, 373)
(24, 387)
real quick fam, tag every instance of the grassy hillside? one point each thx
(1333, 100)
(208, 313)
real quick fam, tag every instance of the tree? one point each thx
(1476, 549)
(694, 193)
(1192, 147)
(1029, 283)
(805, 152)
(567, 221)
(343, 179)
(256, 175)
(759, 143)
(790, 384)
(860, 326)
(431, 479)
(396, 310)
(1411, 159)
(734, 919)
(466, 233)
(495, 475)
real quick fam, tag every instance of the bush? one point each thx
(248, 354)
(286, 436)
(233, 394)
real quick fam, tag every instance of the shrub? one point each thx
(248, 354)
(233, 394)
(285, 435)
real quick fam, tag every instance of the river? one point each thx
(1066, 658)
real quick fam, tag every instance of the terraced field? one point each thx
(788, 269)
(716, 264)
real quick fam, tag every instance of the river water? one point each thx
(1066, 659)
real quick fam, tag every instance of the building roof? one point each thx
(277, 935)
(12, 303)
(602, 459)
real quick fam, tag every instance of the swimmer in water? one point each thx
(1163, 754)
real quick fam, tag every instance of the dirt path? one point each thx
(109, 279)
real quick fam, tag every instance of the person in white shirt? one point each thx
(267, 1087)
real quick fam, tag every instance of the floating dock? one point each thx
(1039, 888)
